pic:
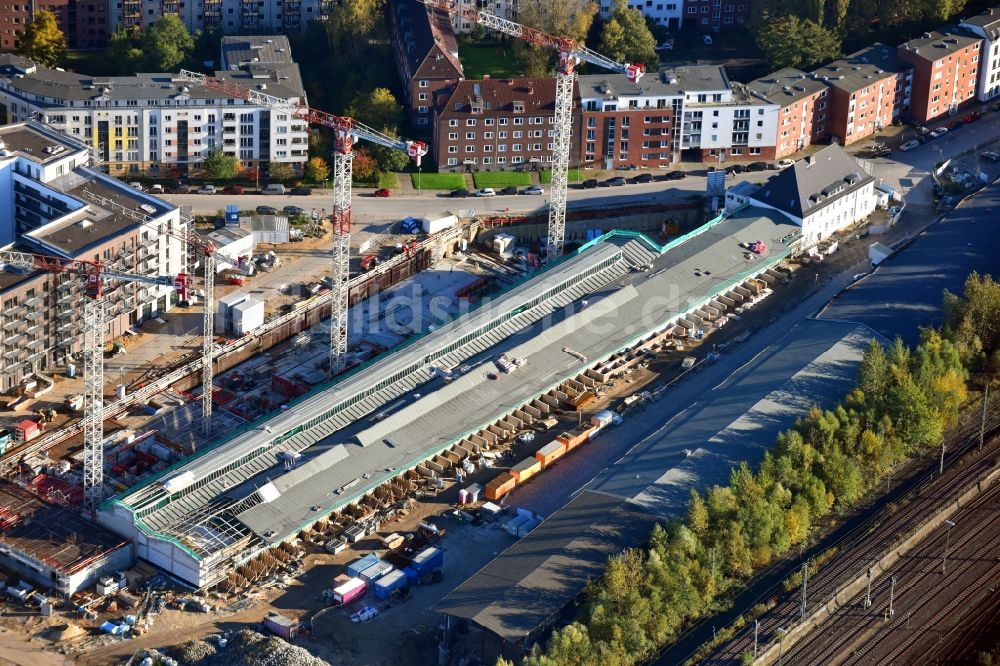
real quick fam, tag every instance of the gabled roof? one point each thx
(813, 182)
(499, 95)
(428, 39)
(939, 43)
(988, 22)
(786, 86)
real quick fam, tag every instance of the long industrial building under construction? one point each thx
(443, 393)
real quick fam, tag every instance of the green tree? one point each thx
(220, 166)
(378, 109)
(280, 171)
(626, 36)
(569, 646)
(789, 41)
(874, 375)
(121, 55)
(697, 514)
(317, 170)
(166, 43)
(365, 167)
(565, 18)
(43, 41)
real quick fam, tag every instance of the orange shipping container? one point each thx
(500, 486)
(549, 453)
(525, 469)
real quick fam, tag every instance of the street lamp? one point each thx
(947, 542)
(782, 632)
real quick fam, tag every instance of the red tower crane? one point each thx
(347, 132)
(96, 274)
(570, 54)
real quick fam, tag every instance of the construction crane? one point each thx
(347, 132)
(96, 274)
(570, 53)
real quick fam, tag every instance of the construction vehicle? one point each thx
(347, 132)
(570, 54)
(46, 415)
(368, 262)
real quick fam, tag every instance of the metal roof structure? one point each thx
(344, 454)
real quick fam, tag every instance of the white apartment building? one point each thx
(227, 16)
(503, 8)
(52, 202)
(666, 13)
(822, 193)
(159, 125)
(987, 26)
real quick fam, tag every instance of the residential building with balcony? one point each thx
(503, 8)
(426, 54)
(945, 71)
(227, 16)
(159, 125)
(713, 15)
(869, 89)
(54, 202)
(496, 124)
(86, 23)
(987, 26)
(669, 14)
(803, 105)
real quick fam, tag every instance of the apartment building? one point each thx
(53, 202)
(626, 122)
(987, 27)
(869, 89)
(158, 125)
(823, 193)
(503, 8)
(496, 124)
(426, 54)
(714, 15)
(227, 16)
(668, 14)
(86, 23)
(802, 107)
(945, 71)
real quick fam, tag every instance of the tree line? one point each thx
(904, 401)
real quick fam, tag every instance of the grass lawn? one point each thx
(493, 58)
(546, 176)
(500, 179)
(388, 180)
(438, 181)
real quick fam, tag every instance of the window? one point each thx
(487, 135)
(470, 149)
(452, 123)
(471, 122)
(422, 97)
(452, 149)
(453, 136)
(470, 136)
(424, 83)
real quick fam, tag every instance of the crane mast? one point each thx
(347, 131)
(570, 53)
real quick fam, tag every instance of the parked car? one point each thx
(207, 189)
(881, 151)
(707, 39)
(628, 167)
(382, 193)
(589, 184)
(910, 145)
(667, 45)
(459, 194)
(534, 189)
(156, 189)
(939, 132)
(266, 210)
(735, 168)
(234, 189)
(757, 166)
(292, 211)
(301, 191)
(273, 188)
(676, 175)
(617, 181)
(973, 117)
(642, 178)
(510, 189)
(135, 185)
(486, 192)
(784, 164)
(182, 189)
(990, 156)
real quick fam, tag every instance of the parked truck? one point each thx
(433, 225)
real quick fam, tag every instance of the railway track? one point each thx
(858, 548)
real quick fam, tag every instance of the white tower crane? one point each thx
(347, 132)
(93, 349)
(570, 54)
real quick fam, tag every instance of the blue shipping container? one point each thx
(412, 577)
(391, 581)
(428, 560)
(375, 571)
(355, 568)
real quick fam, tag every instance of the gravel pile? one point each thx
(246, 648)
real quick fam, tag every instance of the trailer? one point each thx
(344, 593)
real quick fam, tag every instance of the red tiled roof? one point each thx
(538, 95)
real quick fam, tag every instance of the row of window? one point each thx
(532, 134)
(516, 159)
(501, 148)
(533, 120)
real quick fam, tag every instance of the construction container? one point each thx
(428, 560)
(355, 568)
(500, 486)
(27, 430)
(394, 540)
(576, 436)
(412, 576)
(549, 453)
(433, 225)
(376, 571)
(392, 581)
(247, 316)
(525, 469)
(282, 626)
(527, 526)
(602, 419)
(514, 523)
(347, 592)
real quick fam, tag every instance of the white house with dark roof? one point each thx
(823, 193)
(987, 26)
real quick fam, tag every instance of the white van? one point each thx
(274, 188)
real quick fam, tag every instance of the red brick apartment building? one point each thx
(84, 22)
(426, 54)
(496, 124)
(868, 90)
(945, 71)
(714, 15)
(803, 103)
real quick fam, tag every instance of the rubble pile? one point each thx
(246, 648)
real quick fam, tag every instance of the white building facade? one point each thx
(987, 26)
